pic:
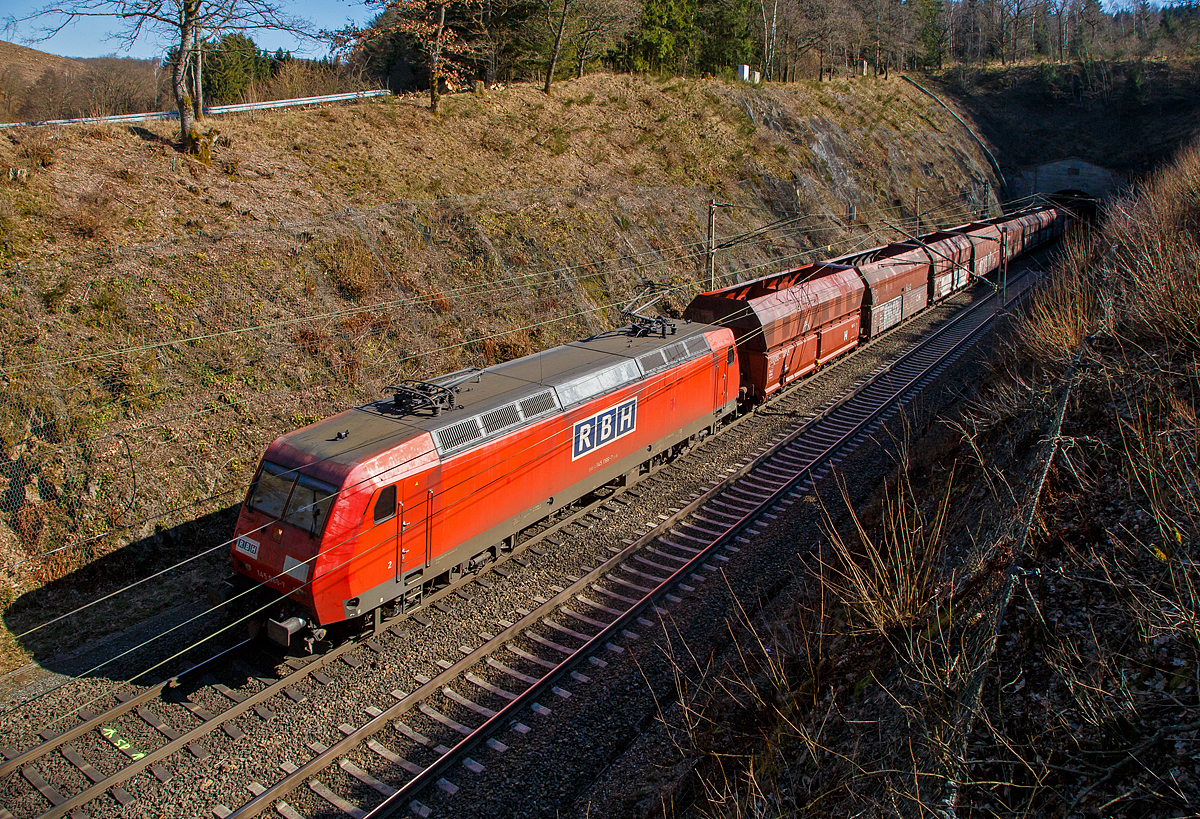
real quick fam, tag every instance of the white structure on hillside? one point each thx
(748, 76)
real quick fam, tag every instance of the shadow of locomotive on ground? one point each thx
(143, 606)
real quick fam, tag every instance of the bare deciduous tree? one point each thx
(600, 24)
(186, 22)
(587, 26)
(556, 19)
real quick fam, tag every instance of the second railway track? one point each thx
(412, 744)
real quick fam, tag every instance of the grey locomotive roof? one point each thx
(496, 400)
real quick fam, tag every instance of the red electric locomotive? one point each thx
(363, 508)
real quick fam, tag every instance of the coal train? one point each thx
(368, 507)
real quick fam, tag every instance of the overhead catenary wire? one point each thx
(773, 262)
(228, 492)
(204, 613)
(684, 256)
(657, 384)
(194, 413)
(183, 651)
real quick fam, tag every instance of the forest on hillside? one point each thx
(503, 40)
(461, 42)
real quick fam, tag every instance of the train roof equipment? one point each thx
(469, 407)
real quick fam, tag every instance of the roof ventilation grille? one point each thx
(652, 361)
(537, 405)
(675, 352)
(500, 418)
(697, 345)
(459, 435)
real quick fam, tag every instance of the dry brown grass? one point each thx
(889, 578)
(35, 147)
(1067, 308)
(1155, 257)
(91, 217)
(352, 267)
(1105, 636)
(504, 348)
(1161, 447)
(1089, 706)
(311, 340)
(1138, 276)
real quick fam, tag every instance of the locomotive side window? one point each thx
(385, 505)
(729, 356)
(310, 504)
(589, 386)
(271, 490)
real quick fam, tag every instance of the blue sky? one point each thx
(88, 38)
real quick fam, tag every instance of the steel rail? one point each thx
(403, 798)
(377, 723)
(97, 789)
(22, 758)
(135, 767)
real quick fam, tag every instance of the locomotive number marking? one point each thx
(603, 428)
(247, 546)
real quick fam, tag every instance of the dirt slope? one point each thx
(169, 317)
(27, 64)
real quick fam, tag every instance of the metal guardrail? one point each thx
(209, 110)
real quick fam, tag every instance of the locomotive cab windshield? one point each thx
(297, 500)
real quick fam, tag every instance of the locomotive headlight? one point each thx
(276, 533)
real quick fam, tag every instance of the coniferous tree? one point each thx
(931, 32)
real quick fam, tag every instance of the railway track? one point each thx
(417, 743)
(516, 675)
(127, 759)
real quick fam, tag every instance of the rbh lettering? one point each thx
(603, 428)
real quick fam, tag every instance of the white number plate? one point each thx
(247, 546)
